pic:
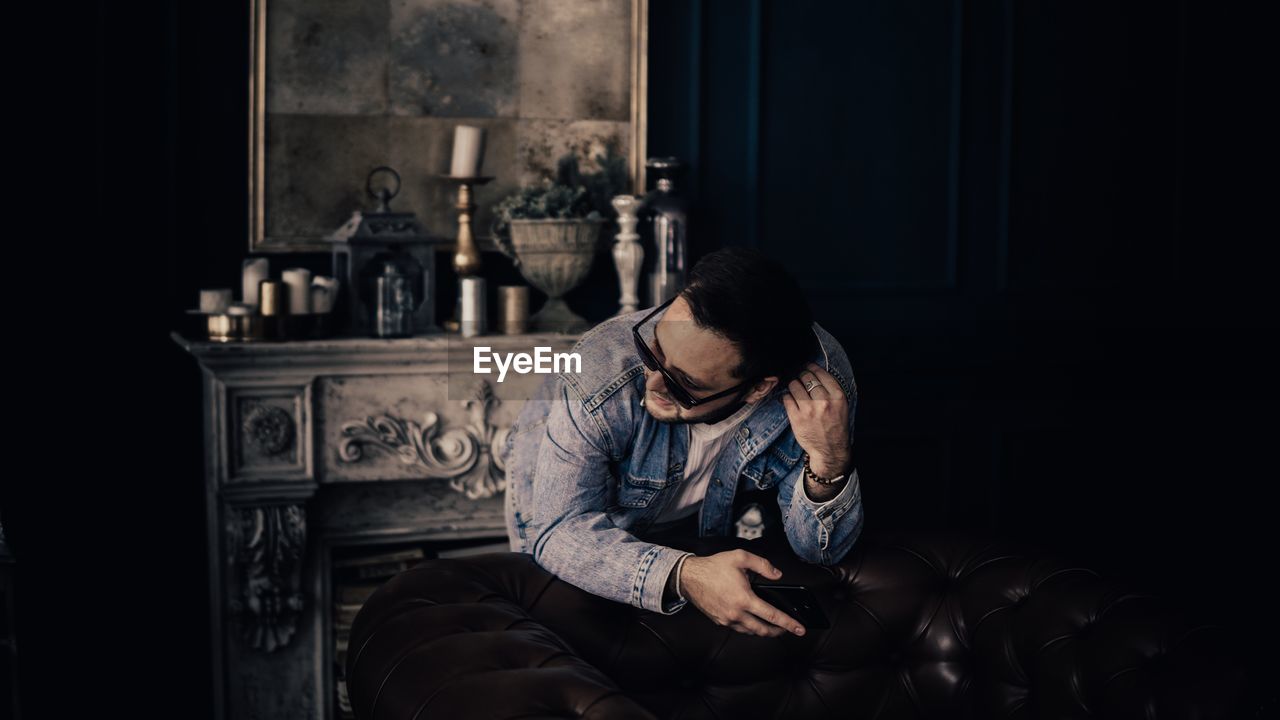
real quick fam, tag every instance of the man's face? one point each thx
(701, 360)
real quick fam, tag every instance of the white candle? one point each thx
(298, 280)
(253, 271)
(324, 290)
(472, 317)
(215, 301)
(468, 148)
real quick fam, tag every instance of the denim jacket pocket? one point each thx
(778, 462)
(638, 492)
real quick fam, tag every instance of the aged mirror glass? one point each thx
(338, 87)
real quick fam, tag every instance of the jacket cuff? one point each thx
(651, 579)
(675, 602)
(829, 511)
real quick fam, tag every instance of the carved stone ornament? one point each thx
(269, 428)
(266, 550)
(450, 455)
(490, 437)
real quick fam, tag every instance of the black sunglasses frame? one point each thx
(676, 390)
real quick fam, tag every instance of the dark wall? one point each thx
(1043, 231)
(1040, 231)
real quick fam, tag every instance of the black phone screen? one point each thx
(797, 601)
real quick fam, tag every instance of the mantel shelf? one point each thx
(362, 350)
(346, 345)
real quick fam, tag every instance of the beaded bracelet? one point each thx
(809, 474)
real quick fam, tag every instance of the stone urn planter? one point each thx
(554, 256)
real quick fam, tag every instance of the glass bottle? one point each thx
(392, 283)
(666, 222)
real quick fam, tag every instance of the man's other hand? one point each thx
(719, 586)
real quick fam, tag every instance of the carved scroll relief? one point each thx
(449, 455)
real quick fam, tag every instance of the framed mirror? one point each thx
(339, 87)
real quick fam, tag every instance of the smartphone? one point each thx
(797, 601)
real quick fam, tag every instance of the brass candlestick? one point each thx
(466, 256)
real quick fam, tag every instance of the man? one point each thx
(729, 386)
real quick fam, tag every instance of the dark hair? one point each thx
(753, 301)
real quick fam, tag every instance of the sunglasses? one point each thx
(677, 391)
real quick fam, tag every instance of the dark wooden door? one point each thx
(1018, 217)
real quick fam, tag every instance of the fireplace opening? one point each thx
(357, 571)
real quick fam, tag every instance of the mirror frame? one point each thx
(259, 243)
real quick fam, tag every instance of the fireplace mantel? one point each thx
(318, 444)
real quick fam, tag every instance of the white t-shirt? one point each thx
(705, 443)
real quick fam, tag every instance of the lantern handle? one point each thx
(383, 195)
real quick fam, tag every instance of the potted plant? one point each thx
(551, 231)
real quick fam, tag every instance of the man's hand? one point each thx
(820, 420)
(720, 587)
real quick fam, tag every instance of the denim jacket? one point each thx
(588, 469)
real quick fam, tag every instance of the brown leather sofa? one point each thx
(924, 625)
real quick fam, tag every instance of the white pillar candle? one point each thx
(472, 317)
(215, 301)
(253, 271)
(324, 291)
(298, 280)
(468, 149)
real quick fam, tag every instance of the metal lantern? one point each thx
(387, 263)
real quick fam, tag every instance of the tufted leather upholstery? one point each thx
(923, 625)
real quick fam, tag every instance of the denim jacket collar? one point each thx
(769, 420)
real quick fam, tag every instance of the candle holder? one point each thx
(466, 256)
(628, 253)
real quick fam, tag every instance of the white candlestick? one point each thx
(298, 281)
(628, 253)
(215, 301)
(468, 148)
(253, 271)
